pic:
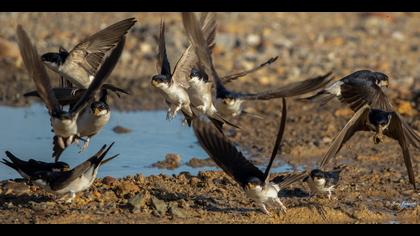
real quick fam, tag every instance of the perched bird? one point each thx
(229, 103)
(383, 123)
(80, 65)
(28, 168)
(357, 89)
(64, 123)
(320, 181)
(78, 179)
(254, 182)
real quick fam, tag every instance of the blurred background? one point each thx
(308, 44)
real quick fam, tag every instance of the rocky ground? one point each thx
(374, 188)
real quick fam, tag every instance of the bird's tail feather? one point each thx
(322, 97)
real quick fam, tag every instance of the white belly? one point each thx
(200, 94)
(64, 128)
(262, 195)
(229, 110)
(176, 95)
(88, 124)
(80, 184)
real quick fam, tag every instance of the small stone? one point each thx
(199, 163)
(398, 36)
(160, 206)
(253, 40)
(139, 201)
(9, 49)
(405, 108)
(108, 180)
(16, 188)
(127, 187)
(121, 130)
(344, 112)
(175, 211)
(109, 196)
(172, 161)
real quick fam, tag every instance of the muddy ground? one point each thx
(374, 188)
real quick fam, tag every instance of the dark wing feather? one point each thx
(411, 135)
(94, 49)
(36, 70)
(62, 179)
(201, 48)
(357, 93)
(293, 89)
(163, 66)
(284, 181)
(229, 78)
(356, 123)
(277, 143)
(396, 131)
(189, 59)
(224, 153)
(100, 77)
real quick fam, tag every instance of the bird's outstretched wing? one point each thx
(396, 132)
(225, 154)
(36, 70)
(356, 123)
(91, 52)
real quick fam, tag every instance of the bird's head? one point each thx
(99, 108)
(161, 81)
(196, 74)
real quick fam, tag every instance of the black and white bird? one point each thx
(382, 123)
(28, 168)
(357, 89)
(229, 103)
(323, 182)
(80, 65)
(65, 123)
(253, 181)
(78, 179)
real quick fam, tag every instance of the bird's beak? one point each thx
(97, 112)
(154, 83)
(378, 138)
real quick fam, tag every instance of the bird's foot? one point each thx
(282, 206)
(85, 145)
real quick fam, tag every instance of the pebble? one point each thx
(254, 40)
(121, 130)
(139, 201)
(159, 205)
(172, 161)
(175, 211)
(108, 180)
(127, 187)
(199, 163)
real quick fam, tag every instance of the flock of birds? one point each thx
(78, 109)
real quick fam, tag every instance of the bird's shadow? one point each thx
(293, 193)
(23, 200)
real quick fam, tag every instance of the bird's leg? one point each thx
(172, 111)
(264, 209)
(283, 207)
(72, 195)
(85, 145)
(330, 189)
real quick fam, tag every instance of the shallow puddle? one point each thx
(26, 133)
